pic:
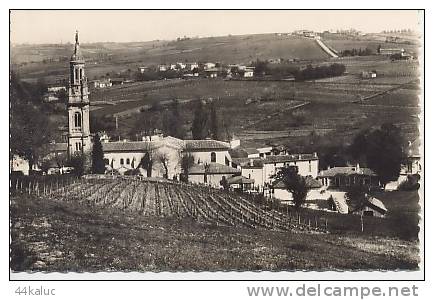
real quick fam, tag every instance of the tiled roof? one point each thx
(377, 203)
(240, 180)
(127, 146)
(346, 171)
(288, 158)
(251, 151)
(310, 183)
(206, 144)
(214, 168)
(241, 161)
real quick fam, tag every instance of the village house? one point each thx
(142, 69)
(306, 164)
(254, 170)
(102, 83)
(211, 173)
(344, 177)
(241, 183)
(209, 65)
(249, 72)
(211, 72)
(162, 68)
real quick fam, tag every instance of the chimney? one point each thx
(251, 162)
(315, 154)
(358, 168)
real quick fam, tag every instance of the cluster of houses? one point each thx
(396, 52)
(207, 69)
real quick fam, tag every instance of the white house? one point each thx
(249, 72)
(306, 164)
(55, 89)
(162, 68)
(99, 84)
(19, 164)
(209, 65)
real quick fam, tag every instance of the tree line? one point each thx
(280, 71)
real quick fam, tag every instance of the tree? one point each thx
(261, 67)
(357, 196)
(200, 122)
(187, 161)
(30, 129)
(163, 158)
(147, 162)
(214, 122)
(383, 151)
(63, 96)
(173, 122)
(294, 183)
(98, 164)
(78, 162)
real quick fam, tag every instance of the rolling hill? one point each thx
(33, 61)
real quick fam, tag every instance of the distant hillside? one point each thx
(51, 60)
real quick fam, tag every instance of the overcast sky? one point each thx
(124, 26)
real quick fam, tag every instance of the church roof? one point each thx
(127, 146)
(206, 145)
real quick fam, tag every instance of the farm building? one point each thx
(369, 74)
(211, 173)
(241, 183)
(212, 72)
(344, 177)
(117, 81)
(103, 83)
(371, 208)
(391, 51)
(56, 88)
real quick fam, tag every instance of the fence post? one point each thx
(326, 224)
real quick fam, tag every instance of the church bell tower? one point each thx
(79, 140)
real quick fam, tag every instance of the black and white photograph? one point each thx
(179, 141)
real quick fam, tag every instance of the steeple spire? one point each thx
(76, 37)
(77, 56)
